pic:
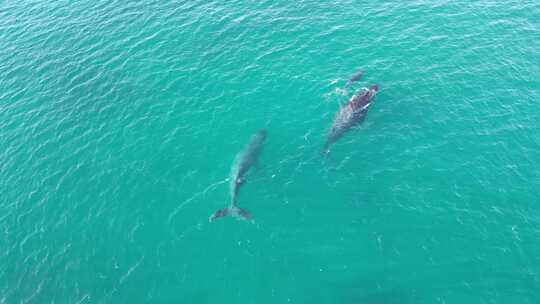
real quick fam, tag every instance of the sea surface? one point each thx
(119, 121)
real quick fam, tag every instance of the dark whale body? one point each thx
(239, 170)
(350, 115)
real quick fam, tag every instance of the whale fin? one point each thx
(243, 214)
(232, 211)
(219, 213)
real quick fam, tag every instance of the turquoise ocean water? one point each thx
(119, 121)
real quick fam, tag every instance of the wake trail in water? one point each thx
(194, 197)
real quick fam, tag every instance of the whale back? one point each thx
(350, 115)
(244, 161)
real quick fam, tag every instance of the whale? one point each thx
(354, 78)
(243, 161)
(350, 115)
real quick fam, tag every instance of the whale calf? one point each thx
(355, 77)
(350, 115)
(241, 165)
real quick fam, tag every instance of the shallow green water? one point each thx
(119, 123)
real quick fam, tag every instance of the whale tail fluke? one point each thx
(232, 211)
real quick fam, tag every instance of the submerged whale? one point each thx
(241, 165)
(355, 77)
(350, 115)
